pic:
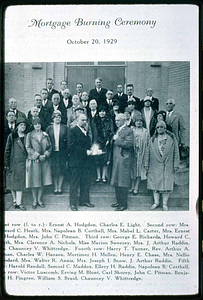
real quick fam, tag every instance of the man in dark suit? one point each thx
(55, 106)
(9, 124)
(98, 93)
(155, 101)
(130, 91)
(63, 85)
(46, 103)
(122, 162)
(13, 107)
(79, 88)
(109, 100)
(66, 100)
(121, 98)
(79, 161)
(42, 112)
(50, 88)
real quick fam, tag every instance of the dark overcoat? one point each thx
(15, 160)
(122, 158)
(160, 175)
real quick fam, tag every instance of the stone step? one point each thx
(101, 202)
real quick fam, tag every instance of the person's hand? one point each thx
(42, 158)
(115, 137)
(89, 152)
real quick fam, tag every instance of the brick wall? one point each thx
(168, 79)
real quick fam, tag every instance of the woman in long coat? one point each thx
(38, 165)
(15, 163)
(103, 131)
(141, 139)
(161, 161)
(58, 134)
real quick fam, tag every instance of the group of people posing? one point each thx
(119, 137)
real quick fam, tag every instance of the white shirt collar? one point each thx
(120, 128)
(82, 129)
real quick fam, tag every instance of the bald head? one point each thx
(66, 93)
(120, 120)
(82, 120)
(170, 104)
(12, 103)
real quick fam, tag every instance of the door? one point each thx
(111, 75)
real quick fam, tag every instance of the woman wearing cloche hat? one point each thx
(15, 162)
(38, 165)
(141, 139)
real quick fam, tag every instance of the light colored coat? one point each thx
(122, 158)
(160, 175)
(177, 123)
(38, 173)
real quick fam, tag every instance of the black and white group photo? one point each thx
(97, 136)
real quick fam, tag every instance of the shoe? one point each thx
(114, 205)
(73, 207)
(88, 204)
(135, 192)
(21, 207)
(41, 204)
(60, 192)
(98, 180)
(121, 208)
(104, 180)
(165, 207)
(34, 206)
(154, 206)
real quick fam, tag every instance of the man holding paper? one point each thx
(122, 162)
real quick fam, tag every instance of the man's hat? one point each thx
(56, 113)
(80, 107)
(36, 121)
(147, 98)
(138, 117)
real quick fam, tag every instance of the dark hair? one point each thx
(163, 113)
(131, 102)
(102, 107)
(79, 83)
(116, 102)
(129, 85)
(44, 89)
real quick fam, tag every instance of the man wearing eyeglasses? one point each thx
(176, 121)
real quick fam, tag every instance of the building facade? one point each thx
(168, 80)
